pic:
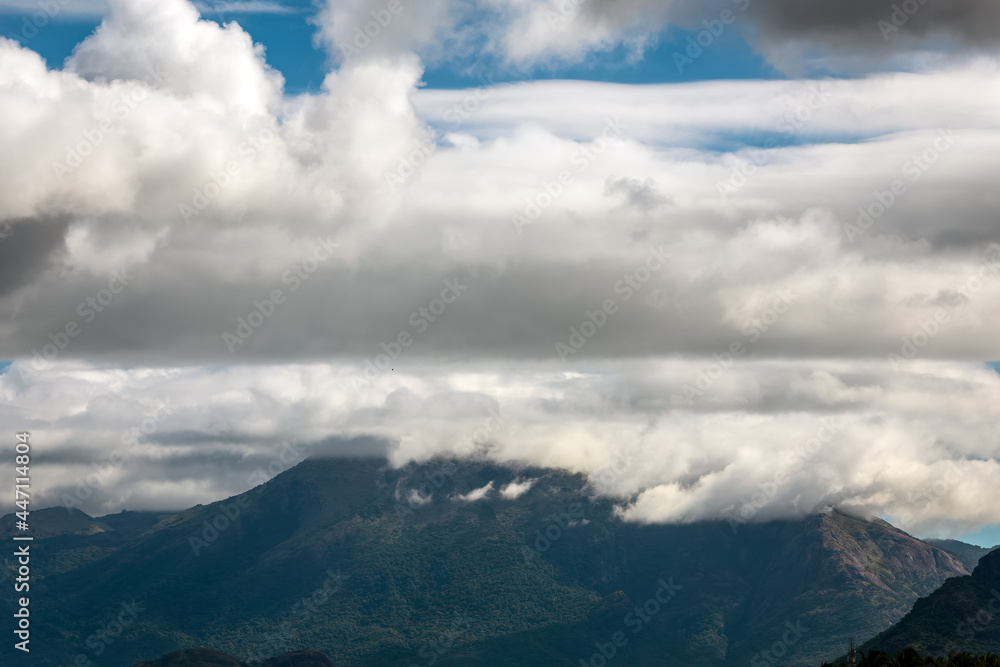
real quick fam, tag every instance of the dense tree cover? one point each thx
(339, 557)
(910, 657)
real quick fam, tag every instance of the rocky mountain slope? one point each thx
(968, 554)
(962, 615)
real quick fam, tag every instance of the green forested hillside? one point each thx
(375, 566)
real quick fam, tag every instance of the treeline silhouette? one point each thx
(910, 657)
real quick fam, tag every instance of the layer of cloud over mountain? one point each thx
(378, 265)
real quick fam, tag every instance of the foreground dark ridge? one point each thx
(962, 615)
(206, 657)
(202, 657)
(374, 566)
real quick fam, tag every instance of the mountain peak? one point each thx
(54, 521)
(501, 565)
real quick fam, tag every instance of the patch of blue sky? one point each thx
(731, 57)
(988, 537)
(288, 39)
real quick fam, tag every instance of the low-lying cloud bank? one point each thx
(721, 299)
(672, 440)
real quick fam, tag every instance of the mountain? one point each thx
(52, 522)
(63, 521)
(204, 657)
(962, 615)
(464, 563)
(969, 554)
(72, 538)
(194, 657)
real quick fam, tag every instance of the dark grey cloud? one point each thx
(847, 23)
(644, 195)
(28, 246)
(524, 311)
(819, 36)
(835, 22)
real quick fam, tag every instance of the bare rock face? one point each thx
(961, 615)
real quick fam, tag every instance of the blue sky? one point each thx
(288, 39)
(988, 537)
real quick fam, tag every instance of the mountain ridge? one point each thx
(969, 554)
(962, 615)
(431, 563)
